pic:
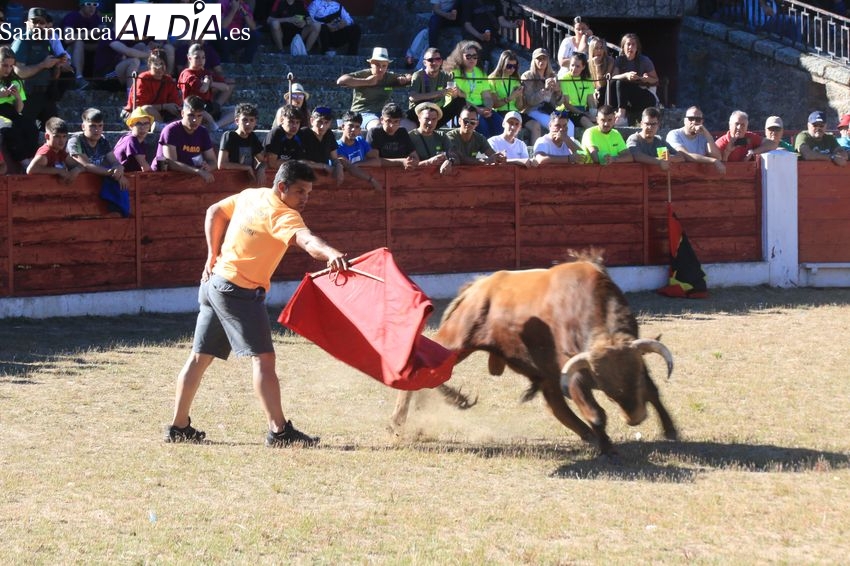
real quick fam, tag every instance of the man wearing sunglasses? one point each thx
(430, 84)
(695, 142)
(467, 143)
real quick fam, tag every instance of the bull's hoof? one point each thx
(671, 434)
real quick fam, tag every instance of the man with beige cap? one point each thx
(773, 130)
(372, 87)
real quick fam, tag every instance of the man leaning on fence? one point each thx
(816, 145)
(185, 146)
(695, 142)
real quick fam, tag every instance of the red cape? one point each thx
(371, 317)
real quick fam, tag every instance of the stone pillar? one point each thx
(779, 210)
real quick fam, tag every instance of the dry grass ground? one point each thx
(761, 474)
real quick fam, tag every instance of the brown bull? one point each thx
(569, 330)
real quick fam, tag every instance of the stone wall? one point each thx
(723, 69)
(603, 9)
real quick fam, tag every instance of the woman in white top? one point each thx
(577, 43)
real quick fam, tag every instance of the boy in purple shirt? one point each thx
(130, 150)
(185, 146)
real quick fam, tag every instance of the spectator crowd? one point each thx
(459, 111)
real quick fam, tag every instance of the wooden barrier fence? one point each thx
(57, 238)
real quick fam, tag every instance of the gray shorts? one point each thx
(232, 318)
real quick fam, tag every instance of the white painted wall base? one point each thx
(824, 275)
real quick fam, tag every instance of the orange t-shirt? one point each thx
(260, 231)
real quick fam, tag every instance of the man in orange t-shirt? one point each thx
(247, 236)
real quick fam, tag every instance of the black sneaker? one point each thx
(289, 436)
(185, 434)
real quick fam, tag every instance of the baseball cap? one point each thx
(36, 13)
(773, 122)
(845, 122)
(540, 51)
(513, 114)
(817, 116)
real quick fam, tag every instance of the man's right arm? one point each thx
(215, 226)
(352, 81)
(319, 249)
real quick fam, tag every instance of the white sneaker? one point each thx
(330, 53)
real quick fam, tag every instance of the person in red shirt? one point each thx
(195, 80)
(51, 158)
(739, 144)
(156, 92)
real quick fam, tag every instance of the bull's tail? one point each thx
(529, 394)
(455, 397)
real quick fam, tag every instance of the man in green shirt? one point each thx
(467, 143)
(602, 142)
(816, 145)
(373, 88)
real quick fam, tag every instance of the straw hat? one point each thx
(297, 88)
(431, 106)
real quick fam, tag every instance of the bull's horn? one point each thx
(646, 346)
(574, 364)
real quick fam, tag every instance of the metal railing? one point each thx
(806, 27)
(540, 29)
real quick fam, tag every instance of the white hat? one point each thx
(297, 88)
(379, 54)
(773, 122)
(512, 114)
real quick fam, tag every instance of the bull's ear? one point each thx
(496, 364)
(658, 338)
